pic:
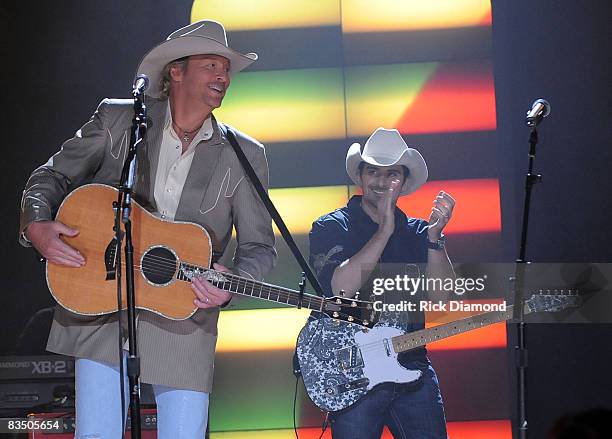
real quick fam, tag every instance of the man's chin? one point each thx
(374, 200)
(214, 101)
(214, 104)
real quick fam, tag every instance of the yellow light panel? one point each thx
(276, 329)
(300, 206)
(268, 329)
(268, 14)
(406, 15)
(286, 105)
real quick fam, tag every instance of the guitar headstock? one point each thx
(553, 300)
(351, 310)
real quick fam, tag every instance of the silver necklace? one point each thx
(186, 134)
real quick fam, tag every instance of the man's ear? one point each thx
(176, 72)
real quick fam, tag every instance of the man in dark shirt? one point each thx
(345, 247)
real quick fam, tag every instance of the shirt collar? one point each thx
(205, 133)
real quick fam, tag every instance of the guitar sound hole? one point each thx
(159, 265)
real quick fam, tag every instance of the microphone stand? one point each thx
(519, 292)
(123, 208)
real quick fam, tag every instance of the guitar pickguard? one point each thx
(332, 384)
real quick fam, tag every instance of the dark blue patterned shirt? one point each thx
(339, 235)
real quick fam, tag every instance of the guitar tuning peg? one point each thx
(356, 294)
(342, 293)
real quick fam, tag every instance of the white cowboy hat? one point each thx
(206, 37)
(388, 148)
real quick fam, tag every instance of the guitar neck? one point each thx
(250, 288)
(420, 338)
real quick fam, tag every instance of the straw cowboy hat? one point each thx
(387, 148)
(206, 37)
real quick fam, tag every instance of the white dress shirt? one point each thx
(173, 166)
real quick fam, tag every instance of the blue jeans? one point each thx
(411, 411)
(181, 414)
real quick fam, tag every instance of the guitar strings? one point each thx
(446, 330)
(306, 302)
(161, 265)
(416, 336)
(280, 296)
(365, 347)
(171, 265)
(162, 262)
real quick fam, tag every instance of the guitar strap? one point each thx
(272, 210)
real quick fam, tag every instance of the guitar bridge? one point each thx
(347, 387)
(110, 258)
(349, 357)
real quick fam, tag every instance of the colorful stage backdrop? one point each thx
(329, 73)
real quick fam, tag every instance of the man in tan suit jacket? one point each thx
(187, 171)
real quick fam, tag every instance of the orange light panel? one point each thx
(477, 208)
(456, 98)
(497, 429)
(439, 317)
(487, 19)
(488, 337)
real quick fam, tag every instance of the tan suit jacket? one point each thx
(216, 195)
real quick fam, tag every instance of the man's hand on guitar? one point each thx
(45, 237)
(208, 295)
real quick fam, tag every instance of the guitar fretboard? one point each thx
(252, 288)
(420, 338)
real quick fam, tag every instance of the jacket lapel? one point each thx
(148, 157)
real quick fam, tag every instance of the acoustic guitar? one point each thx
(167, 255)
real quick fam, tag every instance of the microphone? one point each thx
(141, 83)
(539, 110)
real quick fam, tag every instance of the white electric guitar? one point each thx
(341, 362)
